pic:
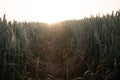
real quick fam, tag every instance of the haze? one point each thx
(50, 11)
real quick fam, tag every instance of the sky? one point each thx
(51, 11)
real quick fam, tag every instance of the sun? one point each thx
(51, 21)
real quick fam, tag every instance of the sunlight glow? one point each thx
(50, 11)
